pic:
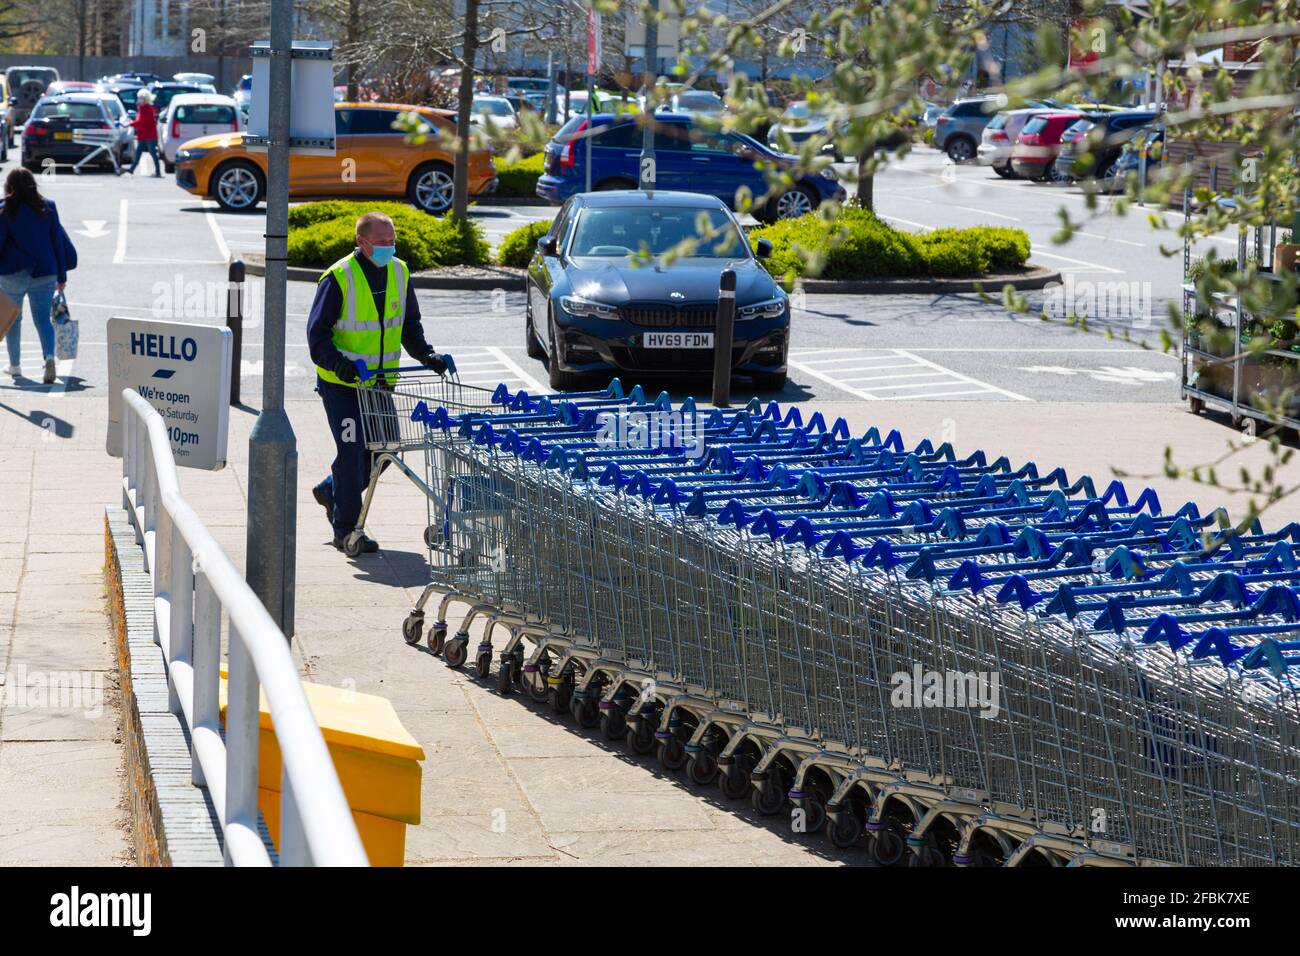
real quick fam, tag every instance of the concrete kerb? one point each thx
(173, 822)
(1034, 277)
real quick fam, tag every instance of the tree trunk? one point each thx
(460, 192)
(354, 27)
(866, 196)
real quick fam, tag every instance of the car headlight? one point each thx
(185, 155)
(769, 309)
(576, 305)
(829, 173)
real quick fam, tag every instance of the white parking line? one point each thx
(510, 363)
(862, 378)
(222, 248)
(1078, 262)
(119, 255)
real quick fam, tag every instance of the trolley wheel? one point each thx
(1196, 405)
(483, 664)
(560, 697)
(641, 739)
(845, 830)
(412, 628)
(814, 814)
(535, 684)
(432, 537)
(702, 768)
(506, 676)
(767, 798)
(437, 638)
(927, 856)
(889, 846)
(672, 754)
(352, 546)
(734, 780)
(613, 724)
(455, 651)
(984, 858)
(585, 712)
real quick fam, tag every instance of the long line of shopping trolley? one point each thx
(937, 659)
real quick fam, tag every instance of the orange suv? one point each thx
(371, 160)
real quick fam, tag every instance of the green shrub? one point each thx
(520, 179)
(518, 246)
(858, 245)
(322, 233)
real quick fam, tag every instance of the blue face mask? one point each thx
(382, 255)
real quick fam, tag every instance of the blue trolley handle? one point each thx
(365, 374)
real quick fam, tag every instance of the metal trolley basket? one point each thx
(752, 612)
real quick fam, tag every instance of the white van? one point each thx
(191, 115)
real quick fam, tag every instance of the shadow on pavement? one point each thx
(51, 424)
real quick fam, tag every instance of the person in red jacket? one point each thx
(145, 125)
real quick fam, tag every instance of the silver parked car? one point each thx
(959, 128)
(1000, 136)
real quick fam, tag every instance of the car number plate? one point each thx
(63, 136)
(677, 340)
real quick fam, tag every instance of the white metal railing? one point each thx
(193, 582)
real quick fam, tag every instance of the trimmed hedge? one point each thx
(858, 245)
(519, 245)
(520, 179)
(321, 233)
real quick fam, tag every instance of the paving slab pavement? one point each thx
(505, 781)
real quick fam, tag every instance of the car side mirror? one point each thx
(763, 248)
(547, 246)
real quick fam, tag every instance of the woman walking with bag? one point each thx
(145, 125)
(35, 256)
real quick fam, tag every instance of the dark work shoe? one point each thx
(367, 545)
(324, 495)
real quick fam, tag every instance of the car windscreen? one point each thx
(702, 102)
(493, 106)
(208, 113)
(617, 231)
(797, 111)
(72, 111)
(18, 77)
(1035, 125)
(128, 96)
(998, 121)
(114, 106)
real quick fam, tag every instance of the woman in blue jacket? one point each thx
(35, 256)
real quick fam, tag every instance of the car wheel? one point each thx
(530, 334)
(1005, 171)
(238, 185)
(559, 381)
(960, 149)
(432, 188)
(795, 202)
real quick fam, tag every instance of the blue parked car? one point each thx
(591, 308)
(688, 158)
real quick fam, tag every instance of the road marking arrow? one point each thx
(94, 229)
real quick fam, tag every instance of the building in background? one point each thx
(158, 28)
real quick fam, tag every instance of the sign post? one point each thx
(646, 179)
(292, 111)
(183, 371)
(593, 67)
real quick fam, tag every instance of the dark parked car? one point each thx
(26, 85)
(1129, 164)
(50, 131)
(1091, 145)
(124, 90)
(959, 129)
(1034, 155)
(688, 158)
(590, 309)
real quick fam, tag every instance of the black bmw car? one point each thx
(602, 298)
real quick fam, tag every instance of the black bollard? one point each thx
(235, 322)
(722, 336)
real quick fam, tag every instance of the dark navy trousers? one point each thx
(351, 469)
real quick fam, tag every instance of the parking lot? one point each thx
(147, 248)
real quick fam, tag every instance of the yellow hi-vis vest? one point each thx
(360, 332)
